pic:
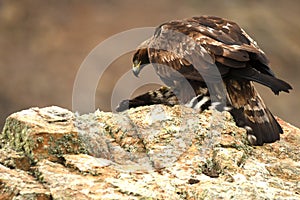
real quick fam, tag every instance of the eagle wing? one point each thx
(194, 47)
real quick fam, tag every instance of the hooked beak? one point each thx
(136, 68)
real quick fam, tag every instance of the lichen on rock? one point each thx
(41, 133)
(151, 152)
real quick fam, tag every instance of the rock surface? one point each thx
(151, 152)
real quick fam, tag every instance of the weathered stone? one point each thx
(65, 183)
(41, 133)
(17, 184)
(13, 159)
(86, 164)
(152, 152)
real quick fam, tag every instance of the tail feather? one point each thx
(251, 74)
(250, 112)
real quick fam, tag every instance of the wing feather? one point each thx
(215, 38)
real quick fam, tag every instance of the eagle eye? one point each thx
(136, 62)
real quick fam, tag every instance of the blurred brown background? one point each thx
(43, 43)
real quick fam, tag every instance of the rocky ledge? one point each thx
(151, 152)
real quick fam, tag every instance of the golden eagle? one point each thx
(211, 42)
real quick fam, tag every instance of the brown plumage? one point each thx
(194, 54)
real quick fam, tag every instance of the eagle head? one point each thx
(140, 59)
